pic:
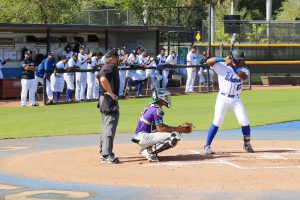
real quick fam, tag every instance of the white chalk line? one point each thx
(256, 156)
(13, 148)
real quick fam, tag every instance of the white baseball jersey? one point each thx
(94, 62)
(136, 61)
(171, 60)
(191, 57)
(61, 65)
(72, 63)
(229, 82)
(68, 55)
(162, 60)
(81, 58)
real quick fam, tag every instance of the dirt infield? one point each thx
(274, 166)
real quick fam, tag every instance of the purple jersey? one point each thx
(151, 116)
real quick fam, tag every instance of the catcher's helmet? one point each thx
(238, 55)
(162, 94)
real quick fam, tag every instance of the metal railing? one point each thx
(132, 67)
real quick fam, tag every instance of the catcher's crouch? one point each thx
(152, 135)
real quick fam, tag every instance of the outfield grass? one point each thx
(263, 107)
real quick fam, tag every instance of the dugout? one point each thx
(40, 38)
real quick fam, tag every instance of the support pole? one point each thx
(106, 40)
(157, 41)
(48, 40)
(268, 17)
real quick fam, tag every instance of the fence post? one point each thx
(107, 17)
(44, 89)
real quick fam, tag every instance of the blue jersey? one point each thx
(47, 65)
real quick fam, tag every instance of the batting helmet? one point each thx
(238, 55)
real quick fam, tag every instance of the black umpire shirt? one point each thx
(111, 72)
(27, 74)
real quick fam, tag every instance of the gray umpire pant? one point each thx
(107, 135)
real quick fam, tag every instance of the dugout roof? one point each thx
(74, 28)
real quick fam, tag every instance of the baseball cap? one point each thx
(134, 52)
(28, 53)
(124, 48)
(82, 47)
(50, 53)
(112, 53)
(74, 54)
(174, 52)
(194, 47)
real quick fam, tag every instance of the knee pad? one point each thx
(165, 145)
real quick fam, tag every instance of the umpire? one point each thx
(108, 104)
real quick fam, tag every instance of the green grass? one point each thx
(263, 107)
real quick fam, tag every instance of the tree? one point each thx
(256, 9)
(36, 11)
(289, 11)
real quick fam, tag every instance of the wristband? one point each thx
(219, 59)
(236, 69)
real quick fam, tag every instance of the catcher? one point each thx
(152, 135)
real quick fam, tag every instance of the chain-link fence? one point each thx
(108, 17)
(253, 32)
(173, 16)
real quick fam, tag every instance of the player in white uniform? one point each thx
(57, 79)
(162, 61)
(171, 60)
(191, 71)
(67, 52)
(92, 84)
(123, 56)
(73, 63)
(230, 77)
(81, 77)
(2, 62)
(201, 70)
(153, 74)
(135, 77)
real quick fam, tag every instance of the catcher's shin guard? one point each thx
(165, 145)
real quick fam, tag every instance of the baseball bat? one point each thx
(232, 42)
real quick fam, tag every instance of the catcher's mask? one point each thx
(163, 95)
(237, 56)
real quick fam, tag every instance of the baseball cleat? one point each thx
(207, 151)
(36, 104)
(149, 156)
(248, 148)
(110, 159)
(50, 102)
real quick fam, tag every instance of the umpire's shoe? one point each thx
(110, 159)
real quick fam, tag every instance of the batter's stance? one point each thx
(231, 75)
(152, 135)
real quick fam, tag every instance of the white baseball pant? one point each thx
(191, 75)
(81, 78)
(224, 102)
(28, 85)
(48, 86)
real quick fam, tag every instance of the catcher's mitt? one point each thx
(187, 127)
